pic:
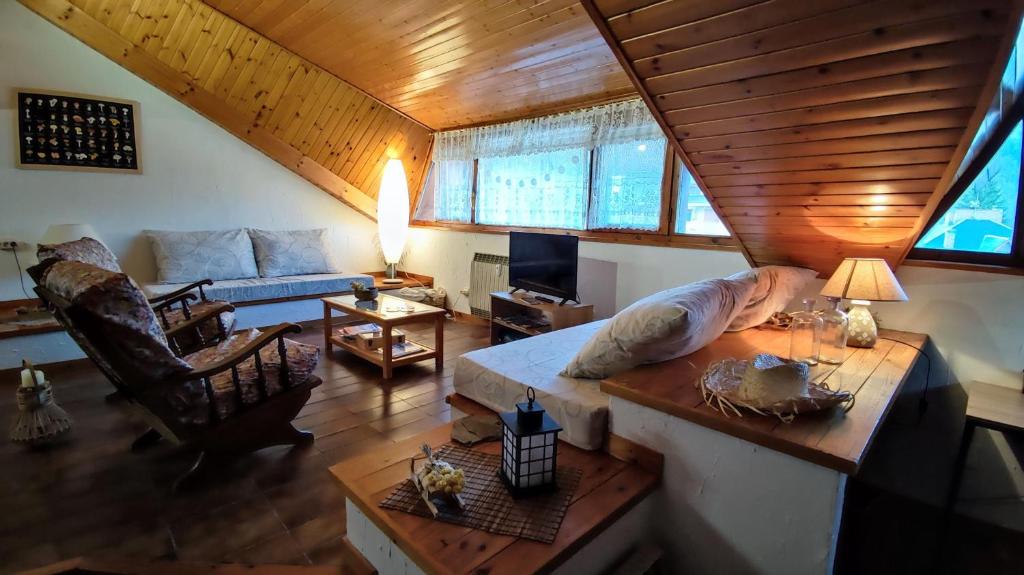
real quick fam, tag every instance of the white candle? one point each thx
(26, 378)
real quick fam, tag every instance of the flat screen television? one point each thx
(543, 263)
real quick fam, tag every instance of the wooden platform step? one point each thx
(608, 489)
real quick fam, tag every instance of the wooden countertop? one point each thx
(829, 438)
(608, 487)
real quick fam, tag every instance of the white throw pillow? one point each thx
(292, 253)
(663, 326)
(191, 256)
(776, 287)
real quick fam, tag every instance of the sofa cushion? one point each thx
(292, 253)
(662, 326)
(183, 257)
(85, 250)
(253, 289)
(497, 377)
(119, 311)
(190, 401)
(776, 287)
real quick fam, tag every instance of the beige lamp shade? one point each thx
(868, 279)
(60, 233)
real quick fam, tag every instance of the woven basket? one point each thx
(39, 419)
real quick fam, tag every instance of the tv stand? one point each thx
(512, 317)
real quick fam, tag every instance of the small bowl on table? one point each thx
(364, 293)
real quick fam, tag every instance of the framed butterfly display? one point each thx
(65, 131)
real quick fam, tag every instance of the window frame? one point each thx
(665, 235)
(1014, 259)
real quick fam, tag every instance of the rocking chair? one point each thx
(215, 320)
(239, 396)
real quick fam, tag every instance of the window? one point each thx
(982, 219)
(546, 190)
(627, 185)
(601, 169)
(976, 222)
(694, 214)
(447, 192)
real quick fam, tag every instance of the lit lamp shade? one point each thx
(60, 233)
(863, 280)
(393, 213)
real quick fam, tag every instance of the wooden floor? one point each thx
(92, 496)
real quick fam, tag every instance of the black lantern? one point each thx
(529, 447)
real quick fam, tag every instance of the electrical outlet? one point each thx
(8, 245)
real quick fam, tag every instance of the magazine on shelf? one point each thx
(402, 349)
(351, 331)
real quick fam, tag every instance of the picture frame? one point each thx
(72, 131)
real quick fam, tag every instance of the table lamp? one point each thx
(393, 216)
(60, 233)
(862, 281)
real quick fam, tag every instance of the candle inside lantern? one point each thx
(26, 378)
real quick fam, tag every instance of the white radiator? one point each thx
(488, 274)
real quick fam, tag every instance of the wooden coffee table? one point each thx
(387, 312)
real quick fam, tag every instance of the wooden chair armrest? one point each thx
(274, 333)
(197, 319)
(166, 301)
(185, 290)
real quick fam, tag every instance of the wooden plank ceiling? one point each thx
(297, 113)
(821, 129)
(449, 63)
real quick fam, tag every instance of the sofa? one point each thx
(270, 276)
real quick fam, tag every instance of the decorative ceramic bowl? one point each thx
(366, 294)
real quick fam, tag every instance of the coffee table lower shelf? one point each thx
(375, 358)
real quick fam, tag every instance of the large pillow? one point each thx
(85, 250)
(776, 287)
(183, 257)
(662, 326)
(292, 253)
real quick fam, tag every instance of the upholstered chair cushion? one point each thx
(85, 250)
(183, 257)
(292, 253)
(209, 329)
(662, 326)
(190, 400)
(776, 287)
(117, 309)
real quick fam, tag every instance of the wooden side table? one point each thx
(409, 280)
(990, 406)
(387, 312)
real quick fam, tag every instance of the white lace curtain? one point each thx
(616, 123)
(537, 172)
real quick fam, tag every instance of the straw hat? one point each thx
(768, 384)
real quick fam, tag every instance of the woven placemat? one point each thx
(489, 506)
